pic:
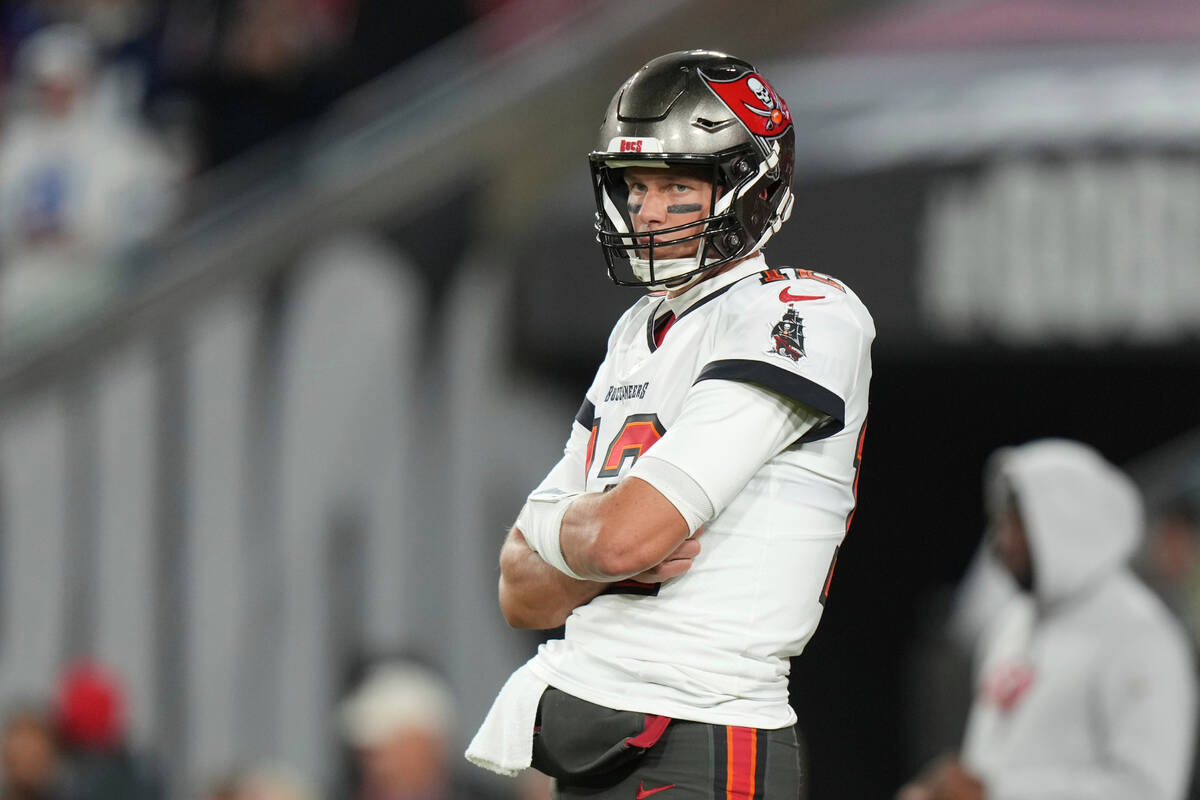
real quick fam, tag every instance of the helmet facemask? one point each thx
(637, 257)
(720, 236)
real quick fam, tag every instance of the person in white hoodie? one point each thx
(1085, 686)
(83, 183)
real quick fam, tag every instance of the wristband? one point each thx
(540, 522)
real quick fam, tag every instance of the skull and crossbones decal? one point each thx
(753, 101)
(764, 95)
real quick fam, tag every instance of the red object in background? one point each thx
(91, 707)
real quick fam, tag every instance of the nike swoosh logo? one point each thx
(788, 297)
(643, 793)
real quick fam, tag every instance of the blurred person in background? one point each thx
(29, 756)
(750, 384)
(534, 785)
(262, 782)
(255, 70)
(123, 31)
(266, 71)
(92, 725)
(268, 782)
(82, 182)
(400, 723)
(1085, 683)
(1171, 562)
(225, 788)
(1171, 567)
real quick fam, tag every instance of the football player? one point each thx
(688, 536)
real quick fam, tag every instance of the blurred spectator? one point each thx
(270, 782)
(400, 722)
(29, 756)
(263, 782)
(267, 75)
(120, 28)
(1172, 562)
(534, 785)
(1171, 565)
(91, 719)
(1086, 686)
(81, 183)
(257, 69)
(223, 789)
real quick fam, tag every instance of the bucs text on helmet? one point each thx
(694, 109)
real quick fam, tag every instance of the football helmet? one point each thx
(695, 109)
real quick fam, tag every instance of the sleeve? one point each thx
(724, 434)
(807, 350)
(1147, 707)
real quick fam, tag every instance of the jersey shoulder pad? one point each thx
(807, 292)
(812, 281)
(800, 289)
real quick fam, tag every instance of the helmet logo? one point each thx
(628, 144)
(754, 102)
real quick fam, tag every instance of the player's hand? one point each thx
(945, 779)
(955, 783)
(674, 565)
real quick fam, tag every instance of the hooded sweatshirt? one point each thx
(1086, 686)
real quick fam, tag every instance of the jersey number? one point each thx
(637, 435)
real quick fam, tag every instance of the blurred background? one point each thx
(298, 299)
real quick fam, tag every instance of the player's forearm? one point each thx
(621, 533)
(534, 594)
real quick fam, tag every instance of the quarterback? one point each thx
(689, 534)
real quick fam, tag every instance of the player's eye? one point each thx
(680, 188)
(638, 188)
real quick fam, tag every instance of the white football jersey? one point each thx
(713, 644)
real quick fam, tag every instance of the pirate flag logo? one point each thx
(755, 103)
(788, 335)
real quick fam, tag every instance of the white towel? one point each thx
(504, 742)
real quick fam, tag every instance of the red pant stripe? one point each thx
(742, 755)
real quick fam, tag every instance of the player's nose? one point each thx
(654, 208)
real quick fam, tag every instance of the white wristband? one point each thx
(540, 522)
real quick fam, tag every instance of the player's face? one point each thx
(1010, 543)
(668, 198)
